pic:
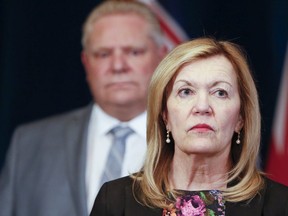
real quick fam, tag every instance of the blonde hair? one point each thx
(122, 7)
(151, 184)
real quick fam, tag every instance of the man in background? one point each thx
(55, 166)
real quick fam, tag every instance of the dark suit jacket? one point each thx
(115, 198)
(44, 174)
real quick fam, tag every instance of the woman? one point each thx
(203, 137)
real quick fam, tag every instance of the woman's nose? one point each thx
(202, 104)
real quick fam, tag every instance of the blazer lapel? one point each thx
(253, 208)
(132, 207)
(76, 144)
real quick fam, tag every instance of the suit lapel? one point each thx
(76, 144)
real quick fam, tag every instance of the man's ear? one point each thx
(163, 51)
(84, 59)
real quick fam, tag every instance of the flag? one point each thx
(277, 163)
(173, 33)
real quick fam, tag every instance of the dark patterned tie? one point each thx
(114, 161)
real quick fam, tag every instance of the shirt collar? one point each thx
(104, 122)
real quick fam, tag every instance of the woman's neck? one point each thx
(199, 173)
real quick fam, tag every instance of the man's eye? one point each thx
(136, 52)
(101, 54)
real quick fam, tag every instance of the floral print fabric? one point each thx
(197, 203)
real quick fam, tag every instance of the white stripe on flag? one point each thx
(280, 124)
(173, 32)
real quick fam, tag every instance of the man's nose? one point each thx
(119, 63)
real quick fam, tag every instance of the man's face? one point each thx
(119, 59)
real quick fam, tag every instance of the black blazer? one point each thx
(115, 198)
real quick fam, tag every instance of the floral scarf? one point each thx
(197, 203)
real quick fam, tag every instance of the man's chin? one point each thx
(122, 86)
(123, 100)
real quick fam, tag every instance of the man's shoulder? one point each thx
(58, 120)
(55, 129)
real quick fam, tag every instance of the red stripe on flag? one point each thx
(286, 125)
(169, 32)
(277, 162)
(277, 167)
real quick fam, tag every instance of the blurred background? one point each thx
(41, 73)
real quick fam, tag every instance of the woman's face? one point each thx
(203, 109)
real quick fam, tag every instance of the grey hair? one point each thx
(122, 7)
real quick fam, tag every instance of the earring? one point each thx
(167, 136)
(238, 141)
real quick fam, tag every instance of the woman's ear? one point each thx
(164, 117)
(239, 124)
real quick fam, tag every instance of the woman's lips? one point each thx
(202, 128)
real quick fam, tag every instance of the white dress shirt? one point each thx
(99, 144)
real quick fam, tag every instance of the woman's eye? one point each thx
(185, 92)
(221, 93)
